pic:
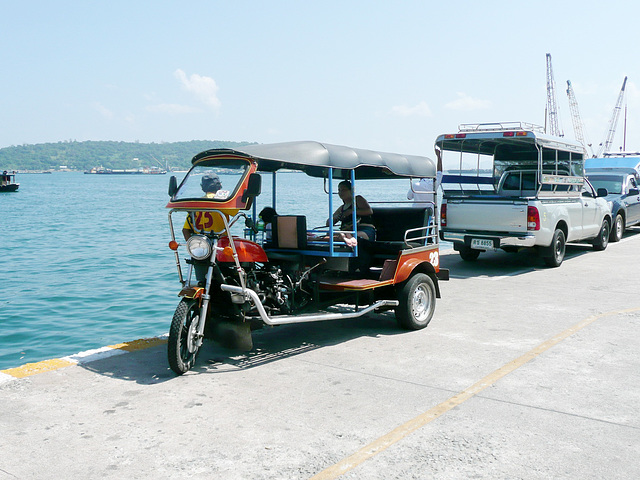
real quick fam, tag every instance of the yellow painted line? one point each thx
(139, 344)
(382, 443)
(29, 369)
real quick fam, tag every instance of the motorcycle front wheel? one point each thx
(183, 339)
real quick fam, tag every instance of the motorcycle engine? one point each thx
(278, 290)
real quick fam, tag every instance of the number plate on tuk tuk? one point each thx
(481, 243)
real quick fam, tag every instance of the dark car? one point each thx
(624, 196)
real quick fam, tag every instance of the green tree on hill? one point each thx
(108, 154)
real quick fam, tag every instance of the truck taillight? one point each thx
(443, 215)
(533, 219)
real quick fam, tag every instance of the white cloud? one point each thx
(466, 103)
(419, 110)
(104, 111)
(204, 88)
(171, 108)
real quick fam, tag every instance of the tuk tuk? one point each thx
(241, 276)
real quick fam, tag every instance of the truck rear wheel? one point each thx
(557, 249)
(468, 254)
(417, 299)
(602, 240)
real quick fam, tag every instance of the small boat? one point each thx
(8, 182)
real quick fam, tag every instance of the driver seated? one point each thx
(207, 221)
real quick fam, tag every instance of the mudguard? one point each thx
(191, 292)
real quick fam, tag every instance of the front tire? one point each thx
(183, 342)
(557, 249)
(417, 299)
(617, 230)
(602, 240)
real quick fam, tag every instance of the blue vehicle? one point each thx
(615, 162)
(623, 189)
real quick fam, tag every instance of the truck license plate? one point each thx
(481, 243)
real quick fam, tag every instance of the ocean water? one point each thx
(86, 264)
(86, 261)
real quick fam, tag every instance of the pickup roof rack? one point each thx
(621, 154)
(499, 127)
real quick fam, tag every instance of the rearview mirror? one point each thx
(173, 186)
(603, 192)
(634, 191)
(254, 187)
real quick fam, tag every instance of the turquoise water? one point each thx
(86, 261)
(86, 264)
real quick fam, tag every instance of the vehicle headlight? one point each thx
(199, 247)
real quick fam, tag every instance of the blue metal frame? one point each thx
(332, 251)
(331, 242)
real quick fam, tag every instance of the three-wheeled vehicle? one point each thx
(241, 276)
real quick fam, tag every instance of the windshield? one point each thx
(217, 180)
(613, 184)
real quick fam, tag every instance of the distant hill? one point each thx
(85, 155)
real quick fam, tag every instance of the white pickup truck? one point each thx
(516, 188)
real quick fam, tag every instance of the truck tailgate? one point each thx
(487, 215)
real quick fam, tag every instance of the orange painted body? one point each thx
(247, 250)
(410, 259)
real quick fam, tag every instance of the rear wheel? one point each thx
(183, 340)
(557, 249)
(602, 240)
(617, 230)
(468, 254)
(417, 300)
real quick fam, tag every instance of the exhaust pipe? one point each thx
(287, 319)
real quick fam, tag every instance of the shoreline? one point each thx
(80, 358)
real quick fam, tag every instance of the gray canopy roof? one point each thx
(316, 158)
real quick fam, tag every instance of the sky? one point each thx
(380, 75)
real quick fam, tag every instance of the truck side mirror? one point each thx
(634, 191)
(254, 187)
(602, 192)
(173, 186)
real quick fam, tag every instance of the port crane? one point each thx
(578, 127)
(552, 106)
(613, 123)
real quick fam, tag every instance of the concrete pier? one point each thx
(524, 372)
